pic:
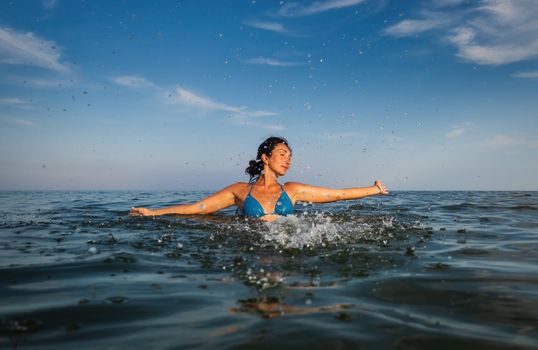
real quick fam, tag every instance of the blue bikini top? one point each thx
(251, 206)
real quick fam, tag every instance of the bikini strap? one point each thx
(252, 182)
(253, 179)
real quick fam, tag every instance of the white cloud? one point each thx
(291, 9)
(490, 33)
(133, 82)
(271, 26)
(12, 101)
(272, 62)
(249, 122)
(49, 4)
(410, 27)
(457, 130)
(28, 49)
(39, 83)
(186, 98)
(503, 141)
(19, 122)
(189, 98)
(16, 102)
(446, 3)
(256, 114)
(529, 74)
(273, 127)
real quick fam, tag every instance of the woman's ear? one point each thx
(264, 158)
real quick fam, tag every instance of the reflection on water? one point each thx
(413, 270)
(271, 307)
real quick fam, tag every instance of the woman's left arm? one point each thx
(307, 193)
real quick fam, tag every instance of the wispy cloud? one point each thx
(457, 130)
(16, 102)
(133, 82)
(191, 99)
(410, 27)
(20, 48)
(271, 26)
(239, 115)
(13, 101)
(446, 3)
(504, 141)
(42, 83)
(294, 9)
(19, 122)
(186, 98)
(272, 62)
(488, 33)
(529, 74)
(49, 4)
(241, 120)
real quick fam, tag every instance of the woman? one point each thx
(263, 197)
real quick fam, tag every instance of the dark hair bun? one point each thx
(255, 167)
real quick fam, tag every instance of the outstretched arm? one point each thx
(217, 201)
(314, 194)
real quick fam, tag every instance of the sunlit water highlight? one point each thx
(409, 271)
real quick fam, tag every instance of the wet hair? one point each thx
(255, 167)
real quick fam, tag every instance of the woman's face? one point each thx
(280, 160)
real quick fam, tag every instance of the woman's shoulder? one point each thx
(293, 183)
(238, 189)
(293, 186)
(235, 187)
(240, 186)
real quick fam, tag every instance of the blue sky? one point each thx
(433, 95)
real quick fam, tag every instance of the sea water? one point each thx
(413, 270)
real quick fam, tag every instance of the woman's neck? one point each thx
(267, 179)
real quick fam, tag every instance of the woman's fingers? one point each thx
(139, 212)
(134, 212)
(382, 188)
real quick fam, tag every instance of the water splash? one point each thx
(322, 229)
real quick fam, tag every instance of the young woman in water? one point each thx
(263, 197)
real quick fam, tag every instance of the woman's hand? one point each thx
(381, 187)
(141, 212)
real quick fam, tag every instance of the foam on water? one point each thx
(298, 231)
(322, 229)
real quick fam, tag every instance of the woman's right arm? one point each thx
(217, 201)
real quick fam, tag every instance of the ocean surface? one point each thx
(413, 270)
